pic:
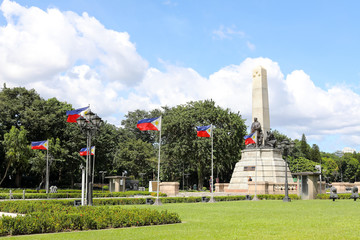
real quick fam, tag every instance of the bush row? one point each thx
(57, 218)
(277, 196)
(340, 196)
(74, 195)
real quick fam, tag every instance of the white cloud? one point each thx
(297, 105)
(228, 33)
(36, 45)
(76, 59)
(250, 45)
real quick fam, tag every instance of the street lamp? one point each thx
(89, 124)
(142, 178)
(187, 179)
(286, 149)
(102, 182)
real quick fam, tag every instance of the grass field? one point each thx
(313, 219)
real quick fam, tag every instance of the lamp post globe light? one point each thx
(286, 149)
(89, 124)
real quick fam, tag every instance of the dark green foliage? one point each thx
(184, 152)
(304, 147)
(315, 154)
(340, 195)
(276, 196)
(50, 216)
(301, 165)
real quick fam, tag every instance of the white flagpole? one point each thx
(157, 201)
(47, 168)
(93, 170)
(212, 165)
(257, 149)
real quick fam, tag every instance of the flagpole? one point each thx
(93, 170)
(212, 166)
(257, 149)
(87, 173)
(47, 168)
(157, 201)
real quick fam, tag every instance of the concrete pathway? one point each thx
(10, 214)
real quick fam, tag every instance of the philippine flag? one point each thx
(74, 114)
(83, 151)
(149, 124)
(250, 139)
(43, 145)
(204, 131)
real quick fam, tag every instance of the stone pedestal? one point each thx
(171, 189)
(221, 187)
(270, 168)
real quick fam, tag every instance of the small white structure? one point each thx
(116, 183)
(348, 150)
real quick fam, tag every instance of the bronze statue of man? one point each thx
(256, 127)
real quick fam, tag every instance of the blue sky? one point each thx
(146, 54)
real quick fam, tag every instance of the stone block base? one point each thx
(171, 189)
(221, 187)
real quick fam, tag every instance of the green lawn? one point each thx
(316, 219)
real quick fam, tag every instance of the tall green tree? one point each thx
(315, 154)
(184, 152)
(304, 147)
(135, 156)
(16, 153)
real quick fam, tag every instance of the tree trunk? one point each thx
(200, 177)
(18, 179)
(72, 180)
(7, 168)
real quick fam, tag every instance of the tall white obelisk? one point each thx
(264, 164)
(260, 99)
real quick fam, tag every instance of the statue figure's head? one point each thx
(255, 119)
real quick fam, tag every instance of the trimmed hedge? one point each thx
(340, 195)
(53, 216)
(74, 194)
(277, 196)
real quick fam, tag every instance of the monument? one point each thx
(260, 99)
(261, 162)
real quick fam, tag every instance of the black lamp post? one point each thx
(142, 178)
(102, 182)
(89, 124)
(286, 149)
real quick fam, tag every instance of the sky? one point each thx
(119, 56)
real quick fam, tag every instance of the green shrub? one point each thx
(55, 216)
(276, 196)
(340, 196)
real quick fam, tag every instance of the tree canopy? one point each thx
(26, 117)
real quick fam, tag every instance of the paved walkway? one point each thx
(10, 214)
(207, 194)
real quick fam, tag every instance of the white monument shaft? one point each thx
(260, 99)
(262, 164)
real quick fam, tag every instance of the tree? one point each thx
(17, 152)
(135, 156)
(329, 167)
(280, 136)
(184, 152)
(304, 147)
(301, 165)
(315, 154)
